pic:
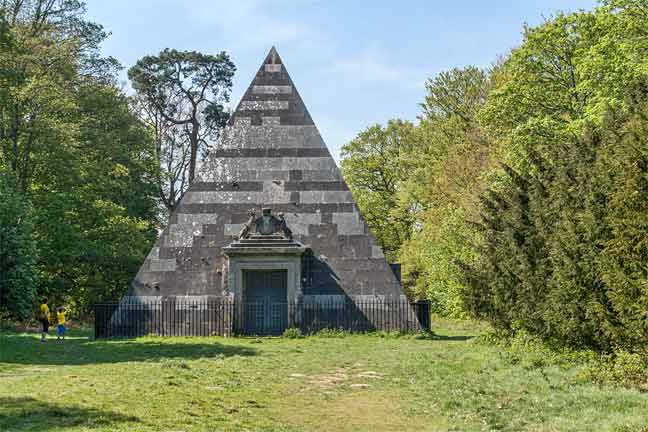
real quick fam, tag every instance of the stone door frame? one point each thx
(292, 265)
(239, 263)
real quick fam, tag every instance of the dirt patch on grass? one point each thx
(371, 375)
(353, 377)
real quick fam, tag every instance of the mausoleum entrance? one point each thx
(265, 300)
(264, 274)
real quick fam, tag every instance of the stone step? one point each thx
(264, 237)
(266, 244)
(277, 240)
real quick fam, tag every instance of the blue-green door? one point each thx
(265, 301)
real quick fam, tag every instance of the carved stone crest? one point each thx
(266, 224)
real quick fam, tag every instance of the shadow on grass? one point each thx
(27, 349)
(26, 413)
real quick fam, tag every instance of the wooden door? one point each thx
(265, 301)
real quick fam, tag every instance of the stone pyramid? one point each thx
(270, 155)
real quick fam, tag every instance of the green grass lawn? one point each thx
(352, 383)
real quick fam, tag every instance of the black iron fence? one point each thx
(172, 317)
(224, 317)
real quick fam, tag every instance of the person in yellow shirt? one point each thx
(60, 320)
(44, 317)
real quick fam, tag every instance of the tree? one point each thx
(459, 93)
(449, 169)
(180, 95)
(418, 185)
(559, 253)
(18, 254)
(52, 51)
(374, 167)
(623, 170)
(82, 163)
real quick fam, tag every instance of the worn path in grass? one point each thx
(351, 383)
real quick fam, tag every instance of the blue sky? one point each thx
(355, 63)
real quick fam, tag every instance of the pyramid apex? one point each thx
(272, 95)
(272, 57)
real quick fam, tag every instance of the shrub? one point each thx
(331, 333)
(6, 322)
(561, 244)
(293, 333)
(531, 352)
(621, 369)
(392, 334)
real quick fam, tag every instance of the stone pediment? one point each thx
(264, 245)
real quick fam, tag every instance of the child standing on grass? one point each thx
(60, 319)
(44, 317)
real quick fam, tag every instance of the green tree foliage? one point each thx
(563, 250)
(624, 258)
(448, 174)
(417, 185)
(18, 255)
(105, 207)
(375, 168)
(82, 161)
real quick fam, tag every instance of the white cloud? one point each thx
(373, 65)
(250, 22)
(369, 65)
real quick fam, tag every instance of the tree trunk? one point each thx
(193, 137)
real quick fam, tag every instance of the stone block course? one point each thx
(271, 89)
(263, 105)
